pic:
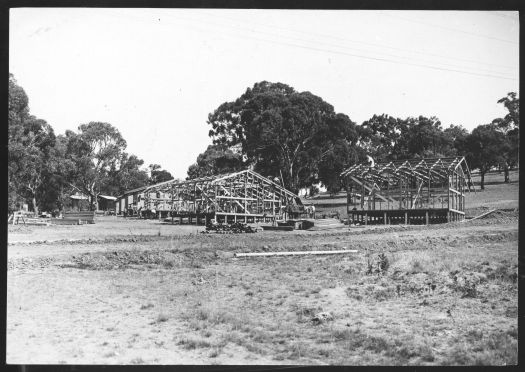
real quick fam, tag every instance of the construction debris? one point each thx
(233, 228)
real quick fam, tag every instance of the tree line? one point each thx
(279, 132)
(300, 139)
(44, 169)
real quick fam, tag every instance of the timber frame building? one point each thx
(417, 191)
(243, 196)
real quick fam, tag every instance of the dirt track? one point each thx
(348, 237)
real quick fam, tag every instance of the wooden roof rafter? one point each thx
(438, 168)
(237, 178)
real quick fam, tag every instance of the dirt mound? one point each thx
(139, 258)
(121, 259)
(496, 217)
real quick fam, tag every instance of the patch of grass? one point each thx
(234, 337)
(305, 312)
(474, 335)
(138, 360)
(496, 348)
(298, 350)
(214, 353)
(197, 325)
(417, 267)
(325, 351)
(214, 316)
(161, 318)
(148, 306)
(190, 343)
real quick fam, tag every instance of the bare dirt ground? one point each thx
(105, 227)
(412, 295)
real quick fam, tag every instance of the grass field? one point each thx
(143, 293)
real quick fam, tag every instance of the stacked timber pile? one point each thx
(75, 218)
(326, 224)
(233, 228)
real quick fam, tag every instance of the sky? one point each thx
(156, 74)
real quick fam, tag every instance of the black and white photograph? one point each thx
(221, 186)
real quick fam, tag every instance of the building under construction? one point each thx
(244, 196)
(418, 191)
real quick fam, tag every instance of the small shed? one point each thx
(416, 191)
(79, 202)
(106, 203)
(128, 203)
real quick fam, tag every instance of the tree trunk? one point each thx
(506, 170)
(94, 202)
(482, 175)
(35, 207)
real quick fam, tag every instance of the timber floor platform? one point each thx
(277, 228)
(404, 216)
(326, 224)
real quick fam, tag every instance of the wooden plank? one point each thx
(481, 215)
(235, 197)
(414, 200)
(454, 191)
(368, 188)
(301, 253)
(278, 228)
(241, 214)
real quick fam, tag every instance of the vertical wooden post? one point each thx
(363, 195)
(172, 204)
(246, 197)
(428, 190)
(426, 217)
(448, 194)
(216, 202)
(366, 219)
(384, 218)
(387, 196)
(406, 218)
(401, 186)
